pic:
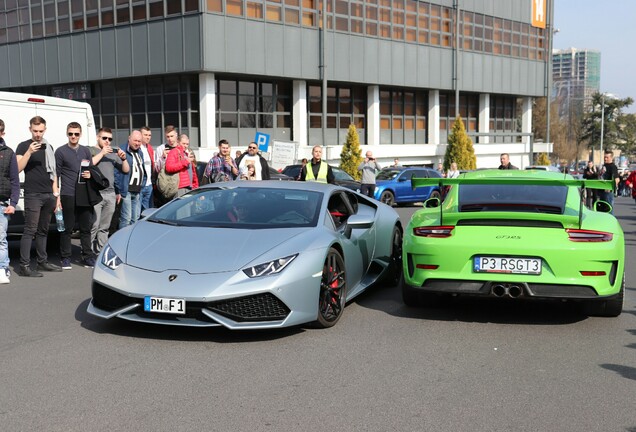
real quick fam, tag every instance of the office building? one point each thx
(576, 76)
(229, 68)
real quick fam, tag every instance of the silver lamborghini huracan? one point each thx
(248, 255)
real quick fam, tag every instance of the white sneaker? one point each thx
(4, 278)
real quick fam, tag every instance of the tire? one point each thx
(410, 296)
(610, 308)
(333, 288)
(387, 198)
(394, 270)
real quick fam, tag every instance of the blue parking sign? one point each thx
(262, 141)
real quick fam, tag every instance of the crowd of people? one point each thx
(102, 188)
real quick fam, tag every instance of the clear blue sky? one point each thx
(605, 25)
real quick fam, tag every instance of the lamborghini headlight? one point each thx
(110, 258)
(268, 268)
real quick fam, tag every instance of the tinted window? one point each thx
(387, 174)
(522, 198)
(341, 175)
(240, 207)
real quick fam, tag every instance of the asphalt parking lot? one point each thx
(467, 366)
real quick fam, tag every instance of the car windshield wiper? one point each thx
(163, 221)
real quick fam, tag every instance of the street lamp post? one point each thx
(602, 123)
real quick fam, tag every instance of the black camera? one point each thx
(42, 145)
(115, 149)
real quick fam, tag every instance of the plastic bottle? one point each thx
(59, 219)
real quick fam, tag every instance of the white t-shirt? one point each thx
(147, 164)
(251, 160)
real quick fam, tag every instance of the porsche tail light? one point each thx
(427, 266)
(580, 235)
(592, 273)
(434, 231)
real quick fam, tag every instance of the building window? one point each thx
(403, 116)
(468, 110)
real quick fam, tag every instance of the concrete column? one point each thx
(526, 121)
(207, 110)
(299, 112)
(433, 117)
(373, 115)
(484, 117)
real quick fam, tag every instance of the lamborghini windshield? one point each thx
(240, 207)
(521, 198)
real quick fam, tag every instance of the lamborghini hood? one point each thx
(158, 247)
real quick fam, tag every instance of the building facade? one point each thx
(576, 76)
(399, 70)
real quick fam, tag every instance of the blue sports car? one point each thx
(393, 185)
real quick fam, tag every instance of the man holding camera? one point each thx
(222, 167)
(107, 159)
(368, 168)
(41, 193)
(181, 161)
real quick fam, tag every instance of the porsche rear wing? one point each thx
(586, 184)
(583, 184)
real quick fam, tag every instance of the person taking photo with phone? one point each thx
(41, 192)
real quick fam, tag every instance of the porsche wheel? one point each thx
(395, 260)
(387, 198)
(608, 308)
(333, 284)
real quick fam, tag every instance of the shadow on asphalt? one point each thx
(133, 329)
(624, 371)
(471, 309)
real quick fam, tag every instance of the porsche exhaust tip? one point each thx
(512, 291)
(499, 290)
(515, 291)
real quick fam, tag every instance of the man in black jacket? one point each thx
(252, 157)
(72, 161)
(9, 195)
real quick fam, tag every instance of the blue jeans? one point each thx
(146, 197)
(4, 245)
(130, 209)
(607, 196)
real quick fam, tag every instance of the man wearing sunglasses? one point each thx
(35, 157)
(72, 161)
(252, 157)
(108, 160)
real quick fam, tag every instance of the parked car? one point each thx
(543, 168)
(255, 255)
(516, 235)
(393, 185)
(341, 178)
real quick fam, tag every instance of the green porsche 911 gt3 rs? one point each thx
(515, 234)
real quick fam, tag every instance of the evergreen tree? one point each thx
(460, 148)
(543, 159)
(351, 155)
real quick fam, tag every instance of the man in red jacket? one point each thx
(181, 160)
(630, 182)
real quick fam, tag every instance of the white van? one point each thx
(17, 109)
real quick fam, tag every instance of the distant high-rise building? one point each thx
(576, 76)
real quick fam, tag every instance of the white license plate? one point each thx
(518, 265)
(164, 305)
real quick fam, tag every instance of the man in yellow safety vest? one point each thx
(317, 170)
